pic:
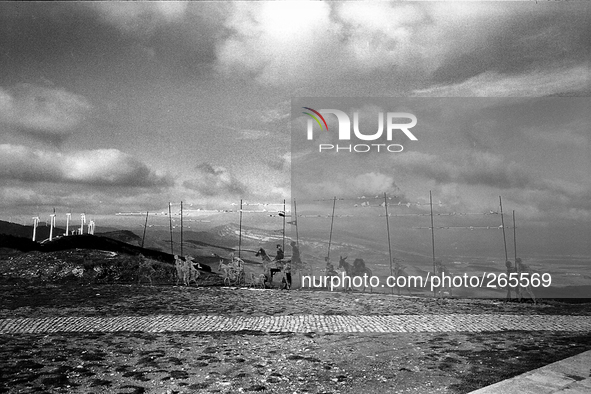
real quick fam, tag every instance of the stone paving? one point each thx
(299, 323)
(569, 376)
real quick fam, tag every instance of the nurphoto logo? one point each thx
(393, 125)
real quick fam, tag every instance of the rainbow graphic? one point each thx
(315, 118)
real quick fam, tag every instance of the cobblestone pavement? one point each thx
(299, 324)
(110, 300)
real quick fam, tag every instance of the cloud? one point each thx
(249, 134)
(273, 41)
(11, 197)
(299, 44)
(178, 34)
(557, 201)
(483, 168)
(215, 181)
(45, 111)
(242, 133)
(532, 83)
(275, 115)
(371, 183)
(142, 18)
(287, 43)
(574, 134)
(21, 199)
(99, 167)
(474, 168)
(379, 35)
(531, 195)
(280, 163)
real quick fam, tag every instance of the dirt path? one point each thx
(254, 361)
(76, 299)
(276, 363)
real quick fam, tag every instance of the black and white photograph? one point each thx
(295, 197)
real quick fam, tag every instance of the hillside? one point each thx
(19, 230)
(123, 235)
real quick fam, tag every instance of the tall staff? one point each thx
(432, 229)
(514, 238)
(182, 229)
(240, 231)
(503, 226)
(334, 202)
(388, 231)
(170, 225)
(145, 227)
(295, 222)
(295, 213)
(284, 213)
(518, 289)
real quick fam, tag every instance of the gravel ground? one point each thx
(76, 299)
(232, 362)
(274, 363)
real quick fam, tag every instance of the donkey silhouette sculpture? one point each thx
(358, 268)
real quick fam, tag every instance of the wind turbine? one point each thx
(51, 225)
(35, 224)
(91, 227)
(68, 216)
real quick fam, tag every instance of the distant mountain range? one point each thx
(221, 240)
(349, 238)
(225, 239)
(19, 237)
(123, 235)
(19, 230)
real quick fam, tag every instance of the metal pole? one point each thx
(295, 221)
(295, 213)
(170, 225)
(145, 226)
(284, 213)
(389, 243)
(182, 229)
(334, 202)
(514, 239)
(432, 229)
(503, 225)
(240, 231)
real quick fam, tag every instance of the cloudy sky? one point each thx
(116, 107)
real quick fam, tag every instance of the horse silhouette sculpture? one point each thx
(329, 271)
(233, 271)
(268, 271)
(358, 268)
(185, 270)
(510, 270)
(145, 269)
(524, 269)
(441, 271)
(400, 272)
